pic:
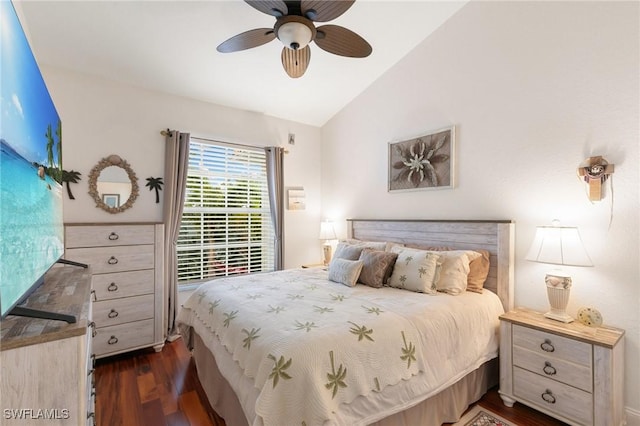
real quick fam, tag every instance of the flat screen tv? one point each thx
(31, 222)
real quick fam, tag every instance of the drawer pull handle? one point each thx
(92, 326)
(547, 346)
(548, 397)
(112, 340)
(113, 313)
(549, 369)
(112, 287)
(113, 236)
(112, 260)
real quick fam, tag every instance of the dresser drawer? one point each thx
(121, 337)
(108, 235)
(576, 375)
(559, 347)
(547, 394)
(122, 284)
(114, 259)
(119, 311)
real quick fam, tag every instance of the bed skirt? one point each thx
(444, 407)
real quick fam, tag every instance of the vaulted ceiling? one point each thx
(170, 46)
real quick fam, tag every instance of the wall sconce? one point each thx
(327, 233)
(558, 245)
(595, 171)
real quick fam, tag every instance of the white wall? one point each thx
(100, 118)
(534, 88)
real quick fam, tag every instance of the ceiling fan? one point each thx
(295, 28)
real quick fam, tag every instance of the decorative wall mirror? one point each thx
(113, 184)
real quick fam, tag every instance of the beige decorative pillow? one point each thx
(345, 271)
(415, 270)
(478, 268)
(429, 248)
(455, 270)
(391, 244)
(377, 267)
(478, 271)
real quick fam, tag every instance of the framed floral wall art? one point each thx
(424, 162)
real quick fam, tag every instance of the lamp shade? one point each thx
(560, 245)
(327, 232)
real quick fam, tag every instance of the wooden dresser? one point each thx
(128, 285)
(569, 371)
(47, 366)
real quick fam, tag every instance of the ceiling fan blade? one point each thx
(275, 8)
(295, 62)
(341, 41)
(323, 11)
(247, 40)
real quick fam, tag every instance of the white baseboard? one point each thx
(633, 417)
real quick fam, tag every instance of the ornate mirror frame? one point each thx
(112, 160)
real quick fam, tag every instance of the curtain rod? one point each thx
(167, 132)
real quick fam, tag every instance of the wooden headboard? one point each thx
(496, 236)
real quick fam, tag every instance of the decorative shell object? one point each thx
(590, 316)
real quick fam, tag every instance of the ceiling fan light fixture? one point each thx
(295, 28)
(295, 32)
(294, 35)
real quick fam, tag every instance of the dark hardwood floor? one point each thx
(145, 388)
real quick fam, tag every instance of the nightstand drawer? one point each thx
(556, 397)
(549, 344)
(548, 366)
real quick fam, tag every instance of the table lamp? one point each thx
(327, 233)
(558, 245)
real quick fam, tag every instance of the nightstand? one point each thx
(314, 265)
(569, 371)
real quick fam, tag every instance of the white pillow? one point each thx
(455, 270)
(415, 270)
(345, 271)
(376, 245)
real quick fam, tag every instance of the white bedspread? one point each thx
(311, 346)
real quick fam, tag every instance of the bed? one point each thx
(353, 355)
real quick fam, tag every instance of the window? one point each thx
(226, 223)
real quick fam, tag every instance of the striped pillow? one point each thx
(377, 267)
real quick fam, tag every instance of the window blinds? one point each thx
(226, 224)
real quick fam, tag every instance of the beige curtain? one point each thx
(175, 178)
(275, 183)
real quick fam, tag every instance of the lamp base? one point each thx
(558, 290)
(559, 316)
(326, 252)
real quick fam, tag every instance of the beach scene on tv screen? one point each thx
(31, 223)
